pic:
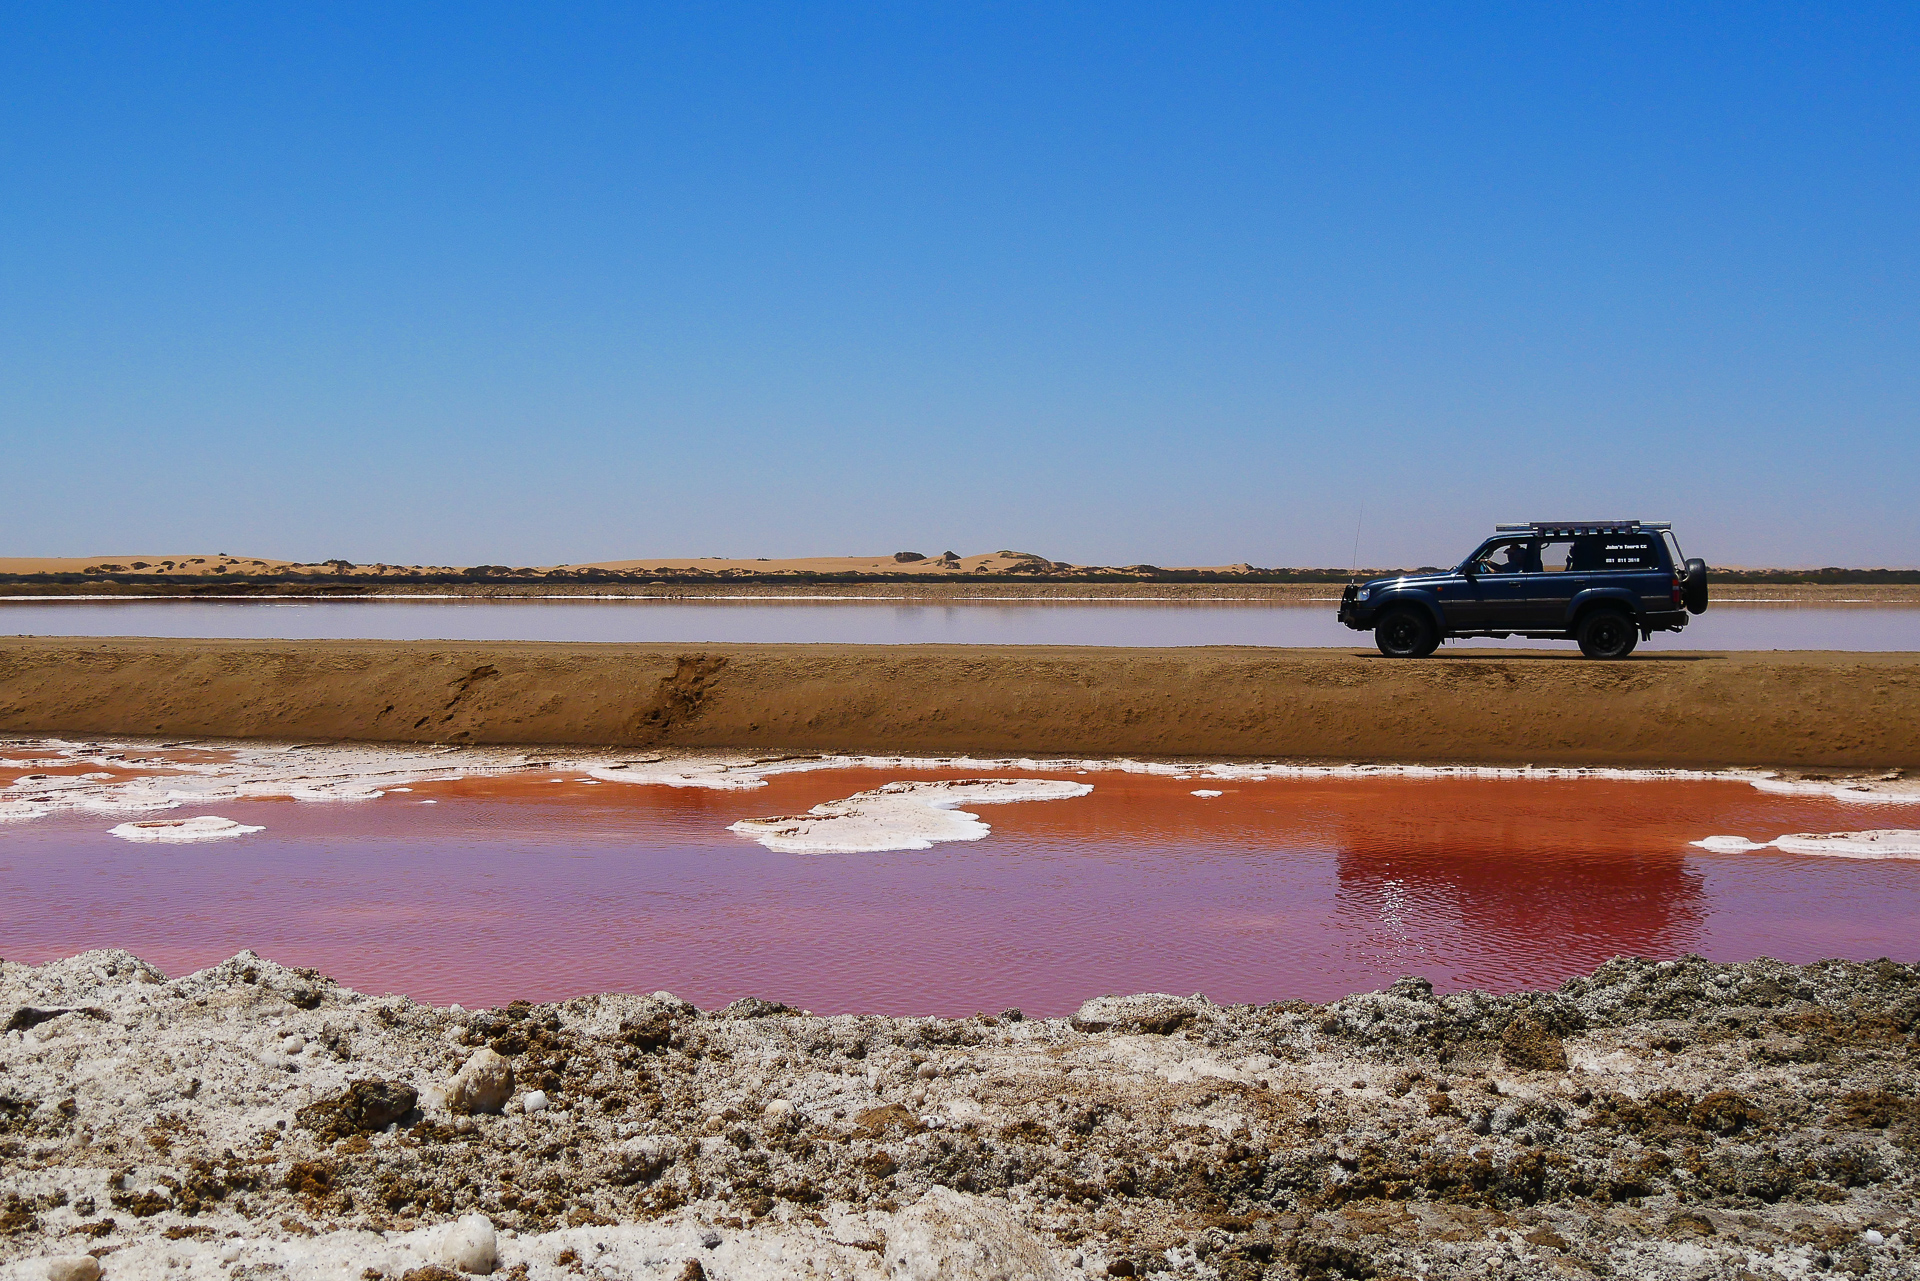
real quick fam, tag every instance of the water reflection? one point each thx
(512, 887)
(1140, 623)
(1479, 918)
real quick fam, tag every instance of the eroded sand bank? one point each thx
(1680, 1119)
(1793, 709)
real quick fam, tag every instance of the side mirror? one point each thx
(1466, 570)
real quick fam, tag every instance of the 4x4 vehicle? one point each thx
(1605, 583)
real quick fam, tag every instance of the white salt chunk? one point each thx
(204, 828)
(1882, 843)
(72, 1267)
(483, 1084)
(1205, 791)
(1729, 844)
(470, 1245)
(900, 816)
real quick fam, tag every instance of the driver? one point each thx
(1516, 561)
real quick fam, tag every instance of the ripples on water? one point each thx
(1725, 626)
(517, 887)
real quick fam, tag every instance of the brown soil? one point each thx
(1807, 710)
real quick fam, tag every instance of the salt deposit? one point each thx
(483, 1084)
(149, 776)
(206, 828)
(900, 816)
(469, 1244)
(1730, 844)
(1884, 843)
(717, 775)
(1678, 1119)
(1881, 843)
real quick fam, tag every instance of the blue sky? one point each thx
(1189, 284)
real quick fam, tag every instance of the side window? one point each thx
(1517, 556)
(1555, 555)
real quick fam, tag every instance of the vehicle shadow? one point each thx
(1539, 656)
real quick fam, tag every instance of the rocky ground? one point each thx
(1680, 1119)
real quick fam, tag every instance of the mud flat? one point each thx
(1675, 1119)
(1802, 710)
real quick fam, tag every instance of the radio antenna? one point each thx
(1353, 570)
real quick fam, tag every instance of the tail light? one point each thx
(1679, 593)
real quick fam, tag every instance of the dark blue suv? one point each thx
(1605, 583)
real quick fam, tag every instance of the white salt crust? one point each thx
(1883, 842)
(900, 816)
(134, 777)
(176, 830)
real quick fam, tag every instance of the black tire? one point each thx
(1406, 633)
(1607, 633)
(1694, 586)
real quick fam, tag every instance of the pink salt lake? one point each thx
(515, 887)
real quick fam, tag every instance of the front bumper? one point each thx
(1355, 613)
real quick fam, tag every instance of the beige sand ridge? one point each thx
(1798, 710)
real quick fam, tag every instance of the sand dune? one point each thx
(150, 565)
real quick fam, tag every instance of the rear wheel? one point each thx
(1607, 633)
(1406, 633)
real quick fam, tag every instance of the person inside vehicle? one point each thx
(1515, 562)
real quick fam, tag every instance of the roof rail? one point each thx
(1560, 528)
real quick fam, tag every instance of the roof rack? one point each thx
(1561, 528)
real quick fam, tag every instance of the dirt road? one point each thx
(1795, 709)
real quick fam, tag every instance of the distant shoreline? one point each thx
(1252, 588)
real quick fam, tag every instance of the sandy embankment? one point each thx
(1856, 711)
(1672, 1120)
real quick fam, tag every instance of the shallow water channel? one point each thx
(1733, 625)
(521, 886)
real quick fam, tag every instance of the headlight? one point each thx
(1361, 594)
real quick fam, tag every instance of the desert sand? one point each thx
(1805, 710)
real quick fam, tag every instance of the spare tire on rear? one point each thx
(1694, 586)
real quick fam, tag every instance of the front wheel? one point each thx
(1607, 633)
(1406, 633)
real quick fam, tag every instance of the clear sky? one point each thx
(522, 283)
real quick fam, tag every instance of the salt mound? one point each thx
(718, 775)
(1730, 844)
(336, 792)
(1884, 843)
(900, 816)
(948, 1234)
(1880, 843)
(206, 828)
